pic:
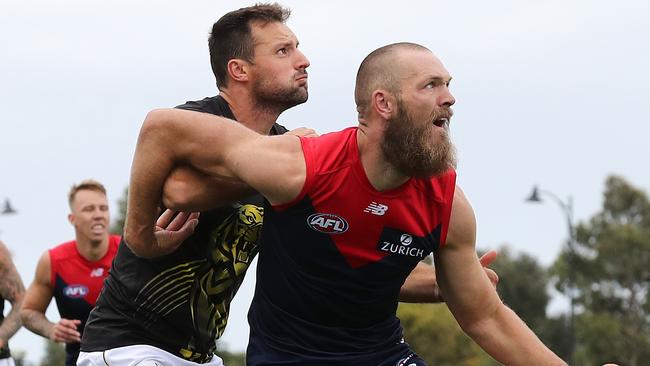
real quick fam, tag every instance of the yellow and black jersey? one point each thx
(180, 302)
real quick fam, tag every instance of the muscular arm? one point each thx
(474, 302)
(38, 297)
(12, 290)
(189, 189)
(214, 146)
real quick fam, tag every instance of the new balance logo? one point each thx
(376, 209)
(97, 272)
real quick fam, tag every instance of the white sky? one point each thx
(551, 93)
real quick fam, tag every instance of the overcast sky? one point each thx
(553, 93)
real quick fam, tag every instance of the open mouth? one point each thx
(98, 227)
(441, 122)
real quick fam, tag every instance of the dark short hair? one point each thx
(231, 36)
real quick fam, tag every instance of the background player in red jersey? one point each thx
(73, 272)
(12, 290)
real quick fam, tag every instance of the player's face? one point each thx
(416, 139)
(279, 69)
(89, 215)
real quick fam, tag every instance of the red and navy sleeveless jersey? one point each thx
(332, 262)
(77, 281)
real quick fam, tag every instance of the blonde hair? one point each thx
(86, 184)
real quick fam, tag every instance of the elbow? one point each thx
(154, 119)
(132, 240)
(157, 128)
(478, 324)
(139, 243)
(25, 316)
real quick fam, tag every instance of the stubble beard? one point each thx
(278, 98)
(409, 147)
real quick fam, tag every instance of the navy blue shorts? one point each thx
(398, 355)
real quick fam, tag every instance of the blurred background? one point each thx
(549, 95)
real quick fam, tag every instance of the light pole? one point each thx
(567, 209)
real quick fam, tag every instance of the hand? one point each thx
(66, 331)
(303, 132)
(487, 259)
(171, 231)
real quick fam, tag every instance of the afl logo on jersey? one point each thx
(327, 223)
(75, 291)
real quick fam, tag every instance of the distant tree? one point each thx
(54, 354)
(230, 358)
(612, 279)
(120, 216)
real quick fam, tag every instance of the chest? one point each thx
(368, 227)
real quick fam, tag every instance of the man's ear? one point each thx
(384, 103)
(238, 69)
(71, 218)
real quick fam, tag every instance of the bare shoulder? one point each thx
(7, 266)
(43, 268)
(462, 225)
(44, 259)
(11, 286)
(5, 257)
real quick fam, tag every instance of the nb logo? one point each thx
(376, 209)
(97, 272)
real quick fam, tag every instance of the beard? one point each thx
(272, 95)
(410, 145)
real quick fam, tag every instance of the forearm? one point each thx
(421, 286)
(12, 290)
(506, 338)
(11, 323)
(37, 322)
(152, 162)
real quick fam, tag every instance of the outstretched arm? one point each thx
(475, 303)
(213, 145)
(421, 285)
(11, 289)
(187, 189)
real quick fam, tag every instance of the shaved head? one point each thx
(415, 129)
(381, 70)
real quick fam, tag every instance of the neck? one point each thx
(92, 250)
(382, 175)
(248, 112)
